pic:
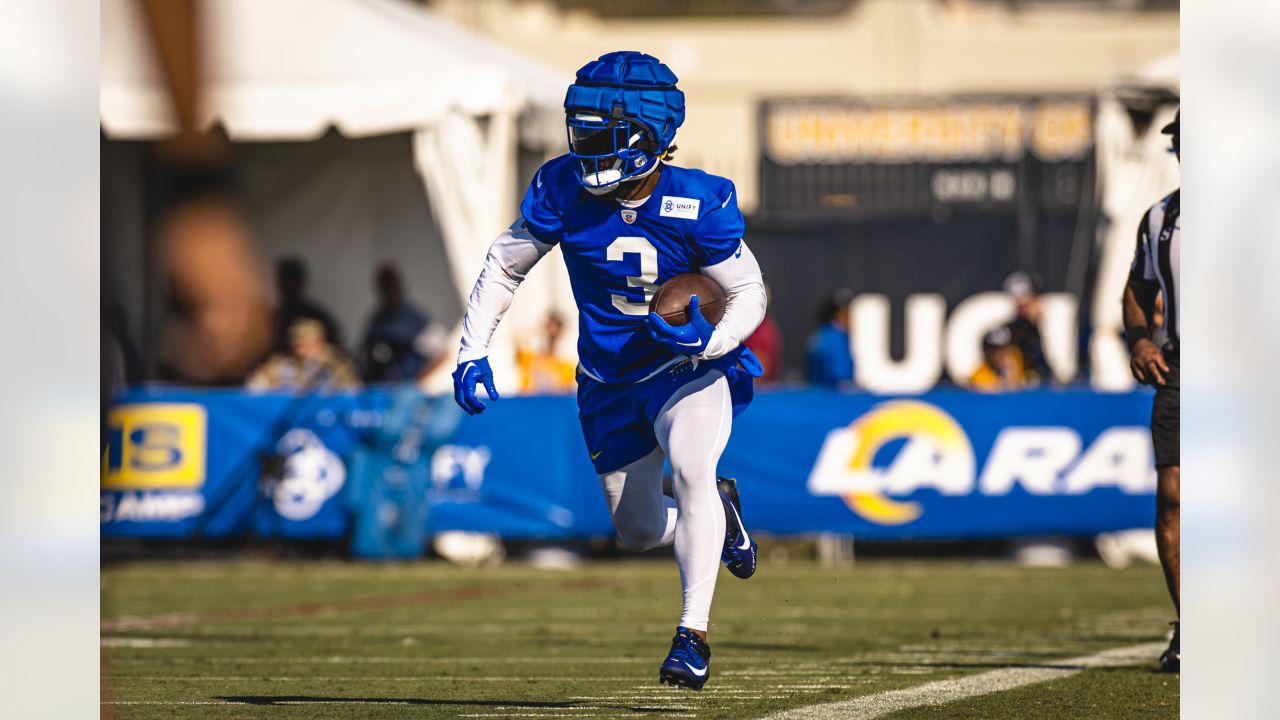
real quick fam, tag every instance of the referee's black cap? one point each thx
(1172, 128)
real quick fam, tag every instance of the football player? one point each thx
(626, 220)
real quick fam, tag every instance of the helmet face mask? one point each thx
(609, 151)
(622, 111)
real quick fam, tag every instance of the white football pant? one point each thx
(692, 429)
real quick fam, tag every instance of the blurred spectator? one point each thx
(401, 343)
(311, 363)
(115, 327)
(830, 356)
(119, 366)
(542, 372)
(766, 343)
(291, 290)
(220, 306)
(1024, 329)
(1001, 369)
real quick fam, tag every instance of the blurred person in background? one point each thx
(220, 305)
(401, 342)
(119, 365)
(310, 364)
(830, 353)
(1001, 369)
(221, 324)
(1024, 328)
(294, 305)
(1154, 275)
(766, 343)
(542, 371)
(128, 364)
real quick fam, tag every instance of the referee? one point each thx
(1155, 270)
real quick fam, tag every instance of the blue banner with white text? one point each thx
(389, 466)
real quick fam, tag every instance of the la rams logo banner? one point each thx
(947, 464)
(388, 466)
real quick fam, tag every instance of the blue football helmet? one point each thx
(622, 114)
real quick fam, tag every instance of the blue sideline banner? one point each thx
(190, 463)
(186, 463)
(389, 466)
(950, 464)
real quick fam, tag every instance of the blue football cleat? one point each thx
(739, 554)
(689, 662)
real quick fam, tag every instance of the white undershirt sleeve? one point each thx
(511, 256)
(740, 276)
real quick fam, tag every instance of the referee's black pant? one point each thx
(1164, 412)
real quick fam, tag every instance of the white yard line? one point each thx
(143, 642)
(947, 691)
(169, 702)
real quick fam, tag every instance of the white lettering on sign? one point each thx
(1030, 457)
(451, 461)
(151, 506)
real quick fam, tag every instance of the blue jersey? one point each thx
(618, 256)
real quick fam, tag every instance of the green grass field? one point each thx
(425, 640)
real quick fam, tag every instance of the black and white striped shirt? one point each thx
(1155, 259)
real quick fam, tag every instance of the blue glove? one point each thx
(465, 379)
(689, 339)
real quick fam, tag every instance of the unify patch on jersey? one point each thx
(679, 207)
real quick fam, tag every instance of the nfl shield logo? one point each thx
(628, 216)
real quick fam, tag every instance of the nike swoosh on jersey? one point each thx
(538, 178)
(726, 200)
(692, 344)
(596, 455)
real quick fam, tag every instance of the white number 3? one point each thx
(648, 278)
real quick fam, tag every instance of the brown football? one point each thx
(672, 299)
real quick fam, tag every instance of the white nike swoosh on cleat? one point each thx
(746, 541)
(695, 671)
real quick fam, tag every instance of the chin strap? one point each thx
(610, 189)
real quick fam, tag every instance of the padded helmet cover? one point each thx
(631, 85)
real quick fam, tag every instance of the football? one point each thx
(672, 299)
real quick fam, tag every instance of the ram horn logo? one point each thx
(935, 452)
(311, 475)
